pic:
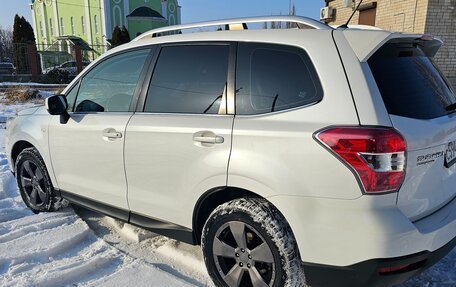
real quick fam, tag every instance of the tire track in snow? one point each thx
(178, 259)
(93, 258)
(8, 214)
(13, 231)
(7, 202)
(43, 244)
(74, 254)
(146, 275)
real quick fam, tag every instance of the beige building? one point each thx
(435, 17)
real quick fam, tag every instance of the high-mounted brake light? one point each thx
(427, 38)
(376, 155)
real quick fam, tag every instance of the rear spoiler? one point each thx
(366, 42)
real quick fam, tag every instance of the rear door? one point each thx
(178, 144)
(419, 101)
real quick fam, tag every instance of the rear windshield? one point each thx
(410, 83)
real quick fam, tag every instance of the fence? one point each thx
(20, 56)
(65, 56)
(34, 62)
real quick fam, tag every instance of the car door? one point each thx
(87, 151)
(178, 144)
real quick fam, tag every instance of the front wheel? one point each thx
(34, 183)
(247, 242)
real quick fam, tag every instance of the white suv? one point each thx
(305, 154)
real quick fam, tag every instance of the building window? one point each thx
(62, 26)
(41, 29)
(95, 20)
(117, 15)
(83, 25)
(72, 25)
(172, 20)
(51, 28)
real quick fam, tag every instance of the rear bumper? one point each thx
(368, 273)
(352, 239)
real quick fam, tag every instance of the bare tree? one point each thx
(292, 12)
(6, 43)
(280, 25)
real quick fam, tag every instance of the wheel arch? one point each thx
(210, 200)
(24, 142)
(17, 148)
(214, 197)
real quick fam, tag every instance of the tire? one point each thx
(247, 242)
(34, 183)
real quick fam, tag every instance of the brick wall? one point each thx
(393, 15)
(441, 22)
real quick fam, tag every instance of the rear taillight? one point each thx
(376, 155)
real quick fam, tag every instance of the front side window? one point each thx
(189, 79)
(272, 78)
(110, 86)
(71, 97)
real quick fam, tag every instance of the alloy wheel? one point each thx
(242, 256)
(33, 183)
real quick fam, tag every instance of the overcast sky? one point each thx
(194, 10)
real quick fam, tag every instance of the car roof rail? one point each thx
(301, 22)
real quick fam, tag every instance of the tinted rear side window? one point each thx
(410, 83)
(189, 79)
(272, 78)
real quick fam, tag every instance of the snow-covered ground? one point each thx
(77, 247)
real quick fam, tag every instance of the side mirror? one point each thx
(58, 105)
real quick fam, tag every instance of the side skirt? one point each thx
(167, 229)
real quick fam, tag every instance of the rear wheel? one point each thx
(246, 242)
(34, 183)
